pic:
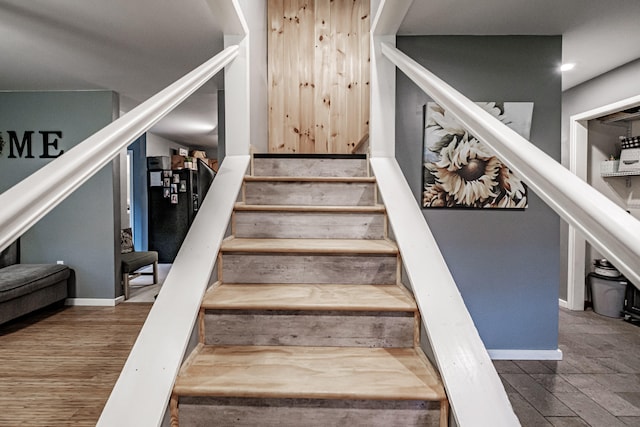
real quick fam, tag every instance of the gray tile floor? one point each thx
(596, 384)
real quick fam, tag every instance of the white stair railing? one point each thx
(473, 387)
(141, 394)
(32, 198)
(474, 390)
(608, 227)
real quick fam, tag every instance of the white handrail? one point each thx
(28, 201)
(473, 387)
(610, 229)
(142, 392)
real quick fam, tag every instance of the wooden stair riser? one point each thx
(308, 268)
(309, 225)
(309, 328)
(250, 412)
(309, 193)
(310, 167)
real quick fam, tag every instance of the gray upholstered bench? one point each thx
(28, 287)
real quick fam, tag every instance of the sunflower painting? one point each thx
(459, 171)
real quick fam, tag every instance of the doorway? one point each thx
(578, 156)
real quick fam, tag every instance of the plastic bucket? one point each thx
(608, 296)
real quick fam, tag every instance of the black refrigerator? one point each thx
(173, 203)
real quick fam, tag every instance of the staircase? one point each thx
(308, 324)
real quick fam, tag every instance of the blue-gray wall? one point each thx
(506, 263)
(139, 197)
(83, 231)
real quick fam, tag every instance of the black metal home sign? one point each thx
(26, 145)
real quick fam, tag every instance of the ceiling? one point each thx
(133, 47)
(598, 35)
(137, 48)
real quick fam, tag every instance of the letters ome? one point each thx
(23, 146)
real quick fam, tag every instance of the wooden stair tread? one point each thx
(296, 156)
(347, 179)
(241, 206)
(318, 246)
(308, 297)
(309, 373)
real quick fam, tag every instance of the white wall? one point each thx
(615, 85)
(125, 220)
(633, 200)
(159, 146)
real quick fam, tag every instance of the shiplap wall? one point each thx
(318, 60)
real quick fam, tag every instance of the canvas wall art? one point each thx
(459, 171)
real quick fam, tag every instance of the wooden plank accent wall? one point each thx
(318, 71)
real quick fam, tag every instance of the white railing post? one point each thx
(382, 123)
(237, 83)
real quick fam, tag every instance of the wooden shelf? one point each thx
(615, 174)
(622, 116)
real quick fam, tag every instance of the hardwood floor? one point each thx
(597, 383)
(57, 367)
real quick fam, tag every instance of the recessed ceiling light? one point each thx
(567, 67)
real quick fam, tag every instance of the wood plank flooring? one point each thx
(58, 366)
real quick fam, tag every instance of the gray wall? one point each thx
(506, 263)
(618, 84)
(83, 231)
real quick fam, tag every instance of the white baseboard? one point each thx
(562, 303)
(94, 302)
(499, 354)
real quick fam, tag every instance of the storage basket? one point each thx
(630, 160)
(609, 166)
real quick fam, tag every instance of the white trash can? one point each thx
(607, 294)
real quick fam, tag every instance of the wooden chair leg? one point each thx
(125, 285)
(155, 273)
